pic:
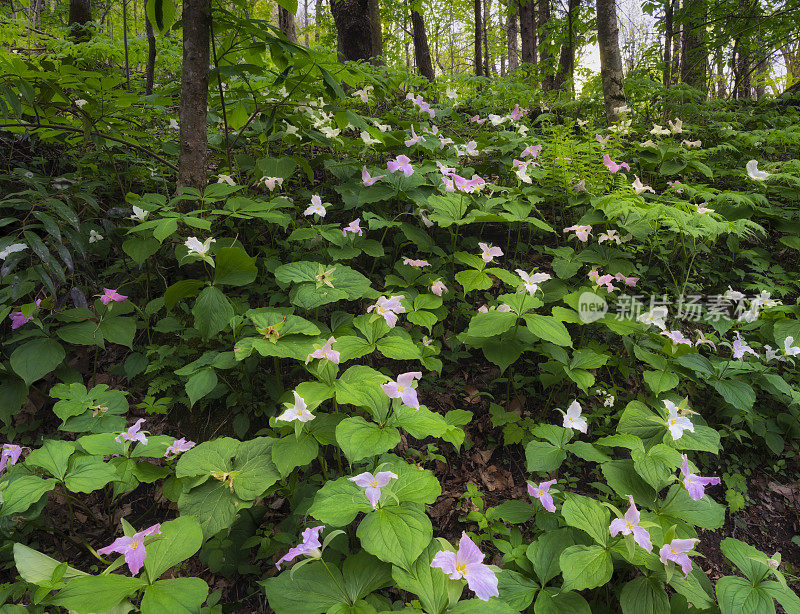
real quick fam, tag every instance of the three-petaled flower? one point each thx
(111, 295)
(9, 455)
(438, 287)
(695, 484)
(402, 388)
(196, 247)
(629, 525)
(325, 352)
(489, 253)
(388, 308)
(316, 207)
(531, 281)
(572, 418)
(677, 551)
(133, 434)
(354, 227)
(132, 547)
(401, 163)
(581, 231)
(297, 411)
(542, 492)
(310, 546)
(367, 179)
(468, 564)
(676, 424)
(373, 484)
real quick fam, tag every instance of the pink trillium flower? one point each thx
(504, 308)
(695, 484)
(132, 547)
(677, 424)
(542, 492)
(468, 185)
(9, 455)
(310, 546)
(676, 551)
(477, 119)
(468, 564)
(373, 484)
(417, 264)
(531, 151)
(629, 281)
(531, 281)
(489, 253)
(401, 163)
(325, 352)
(677, 337)
(572, 418)
(438, 287)
(639, 187)
(444, 169)
(112, 295)
(471, 148)
(367, 179)
(19, 319)
(483, 309)
(701, 340)
(401, 389)
(629, 524)
(611, 235)
(740, 348)
(602, 140)
(297, 411)
(582, 232)
(449, 184)
(516, 113)
(354, 227)
(133, 434)
(178, 446)
(613, 166)
(388, 308)
(415, 138)
(271, 182)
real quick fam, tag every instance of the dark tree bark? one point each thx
(694, 55)
(742, 51)
(668, 25)
(194, 94)
(487, 20)
(125, 44)
(422, 53)
(353, 29)
(317, 13)
(80, 16)
(286, 24)
(376, 30)
(546, 57)
(527, 25)
(150, 69)
(610, 58)
(478, 44)
(676, 44)
(564, 78)
(511, 39)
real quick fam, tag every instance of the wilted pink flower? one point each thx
(354, 227)
(133, 434)
(19, 319)
(401, 163)
(542, 493)
(477, 119)
(613, 166)
(325, 352)
(401, 389)
(415, 138)
(677, 337)
(132, 548)
(582, 232)
(677, 551)
(271, 182)
(489, 253)
(310, 546)
(630, 525)
(701, 340)
(367, 179)
(417, 264)
(531, 151)
(178, 446)
(516, 113)
(111, 295)
(695, 484)
(373, 484)
(468, 563)
(388, 308)
(438, 287)
(10, 455)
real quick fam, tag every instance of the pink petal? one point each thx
(617, 526)
(382, 478)
(642, 537)
(446, 561)
(373, 495)
(468, 552)
(362, 479)
(482, 581)
(134, 557)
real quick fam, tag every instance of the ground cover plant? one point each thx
(463, 344)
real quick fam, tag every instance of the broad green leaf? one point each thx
(585, 567)
(88, 594)
(429, 584)
(200, 384)
(736, 595)
(212, 312)
(515, 589)
(180, 539)
(396, 534)
(338, 501)
(213, 504)
(233, 267)
(291, 452)
(312, 589)
(176, 596)
(549, 329)
(644, 596)
(34, 359)
(491, 323)
(705, 513)
(88, 473)
(53, 456)
(364, 574)
(543, 456)
(38, 568)
(588, 515)
(359, 439)
(553, 601)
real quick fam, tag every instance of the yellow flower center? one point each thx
(400, 388)
(672, 550)
(672, 422)
(461, 568)
(373, 484)
(381, 310)
(134, 545)
(629, 525)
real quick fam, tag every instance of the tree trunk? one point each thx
(668, 24)
(478, 44)
(80, 15)
(376, 29)
(194, 94)
(527, 26)
(125, 44)
(422, 53)
(487, 24)
(317, 13)
(676, 45)
(150, 69)
(353, 29)
(566, 63)
(305, 21)
(511, 39)
(694, 55)
(743, 57)
(546, 57)
(610, 59)
(286, 24)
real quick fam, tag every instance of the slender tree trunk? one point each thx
(677, 30)
(194, 94)
(487, 21)
(422, 52)
(694, 55)
(527, 25)
(305, 21)
(80, 15)
(610, 58)
(478, 44)
(353, 29)
(743, 59)
(668, 25)
(566, 63)
(125, 44)
(376, 29)
(719, 57)
(511, 39)
(317, 13)
(286, 24)
(546, 56)
(150, 69)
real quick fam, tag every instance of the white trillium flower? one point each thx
(94, 236)
(139, 214)
(573, 420)
(173, 123)
(196, 247)
(226, 179)
(297, 411)
(12, 249)
(677, 424)
(754, 173)
(654, 317)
